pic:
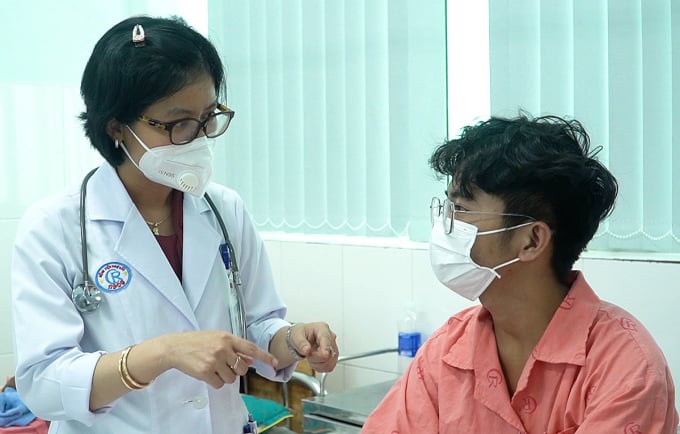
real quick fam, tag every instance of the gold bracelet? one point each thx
(125, 376)
(121, 362)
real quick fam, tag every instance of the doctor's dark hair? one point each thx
(121, 80)
(541, 167)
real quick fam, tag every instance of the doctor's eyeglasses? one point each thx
(183, 131)
(445, 212)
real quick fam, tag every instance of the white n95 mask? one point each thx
(451, 262)
(187, 168)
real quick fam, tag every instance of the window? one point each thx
(611, 66)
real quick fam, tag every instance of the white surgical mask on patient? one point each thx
(186, 168)
(451, 262)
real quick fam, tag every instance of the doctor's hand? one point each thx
(317, 343)
(215, 357)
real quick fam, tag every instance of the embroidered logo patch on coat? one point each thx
(113, 277)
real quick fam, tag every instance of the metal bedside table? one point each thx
(343, 412)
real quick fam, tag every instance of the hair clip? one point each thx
(138, 35)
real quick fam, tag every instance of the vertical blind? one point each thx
(338, 106)
(611, 65)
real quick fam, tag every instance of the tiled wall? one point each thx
(360, 291)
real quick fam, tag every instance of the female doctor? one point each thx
(150, 343)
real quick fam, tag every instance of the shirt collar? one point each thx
(564, 340)
(473, 337)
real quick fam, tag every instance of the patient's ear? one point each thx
(536, 240)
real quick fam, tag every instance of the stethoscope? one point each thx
(87, 297)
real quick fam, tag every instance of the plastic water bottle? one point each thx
(409, 338)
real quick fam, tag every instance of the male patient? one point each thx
(542, 354)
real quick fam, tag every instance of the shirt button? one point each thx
(198, 402)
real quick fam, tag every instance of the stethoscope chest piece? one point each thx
(86, 297)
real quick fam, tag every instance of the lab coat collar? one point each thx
(201, 248)
(107, 199)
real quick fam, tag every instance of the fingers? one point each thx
(240, 364)
(322, 349)
(229, 372)
(324, 361)
(298, 338)
(333, 351)
(327, 344)
(252, 351)
(223, 375)
(237, 365)
(213, 356)
(322, 341)
(326, 349)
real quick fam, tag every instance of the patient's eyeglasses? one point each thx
(445, 214)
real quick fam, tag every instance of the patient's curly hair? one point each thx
(542, 167)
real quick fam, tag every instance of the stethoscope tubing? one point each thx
(231, 265)
(83, 231)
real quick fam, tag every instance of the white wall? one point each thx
(7, 363)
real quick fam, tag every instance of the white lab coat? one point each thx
(58, 347)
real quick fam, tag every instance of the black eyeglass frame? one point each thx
(168, 126)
